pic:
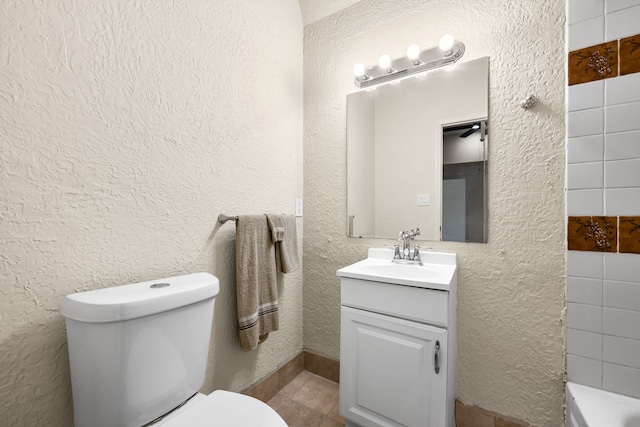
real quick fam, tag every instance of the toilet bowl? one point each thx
(223, 408)
(138, 355)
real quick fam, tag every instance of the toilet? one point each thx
(138, 356)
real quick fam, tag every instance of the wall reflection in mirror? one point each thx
(417, 156)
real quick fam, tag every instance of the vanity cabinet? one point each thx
(397, 353)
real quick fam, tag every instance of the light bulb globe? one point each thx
(446, 42)
(358, 70)
(384, 62)
(413, 52)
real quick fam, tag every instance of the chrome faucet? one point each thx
(405, 254)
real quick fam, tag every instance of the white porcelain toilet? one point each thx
(138, 355)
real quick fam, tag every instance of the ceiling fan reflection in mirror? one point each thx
(466, 128)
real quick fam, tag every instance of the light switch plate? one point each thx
(298, 207)
(423, 200)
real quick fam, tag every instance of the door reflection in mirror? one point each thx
(464, 182)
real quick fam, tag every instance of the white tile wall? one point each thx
(586, 33)
(586, 291)
(586, 122)
(585, 202)
(624, 201)
(587, 317)
(585, 175)
(587, 95)
(584, 371)
(619, 323)
(622, 267)
(619, 90)
(619, 118)
(585, 344)
(623, 23)
(621, 351)
(603, 129)
(620, 146)
(585, 264)
(622, 295)
(622, 173)
(621, 379)
(586, 149)
(580, 10)
(614, 5)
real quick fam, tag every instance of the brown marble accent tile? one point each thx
(629, 233)
(265, 389)
(295, 413)
(593, 63)
(322, 366)
(290, 370)
(630, 55)
(318, 394)
(592, 233)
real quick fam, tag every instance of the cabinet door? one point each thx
(388, 371)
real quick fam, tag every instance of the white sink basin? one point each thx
(437, 271)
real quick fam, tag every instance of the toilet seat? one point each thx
(226, 409)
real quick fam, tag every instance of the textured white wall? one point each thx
(313, 10)
(125, 129)
(510, 290)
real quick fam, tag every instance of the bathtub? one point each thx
(590, 407)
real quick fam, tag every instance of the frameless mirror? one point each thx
(408, 164)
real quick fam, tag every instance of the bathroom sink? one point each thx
(436, 272)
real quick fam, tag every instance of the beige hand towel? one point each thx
(256, 282)
(283, 234)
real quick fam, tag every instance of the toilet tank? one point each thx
(139, 350)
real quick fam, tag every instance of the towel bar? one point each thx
(222, 218)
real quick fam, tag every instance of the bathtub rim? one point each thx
(600, 407)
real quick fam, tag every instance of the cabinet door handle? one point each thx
(437, 362)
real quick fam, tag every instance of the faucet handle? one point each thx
(416, 253)
(396, 252)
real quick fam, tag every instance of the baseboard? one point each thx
(269, 386)
(473, 416)
(322, 366)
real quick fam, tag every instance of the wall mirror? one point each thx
(417, 156)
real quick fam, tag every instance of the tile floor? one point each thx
(308, 401)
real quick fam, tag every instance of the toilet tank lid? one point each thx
(139, 299)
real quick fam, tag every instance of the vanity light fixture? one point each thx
(417, 61)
